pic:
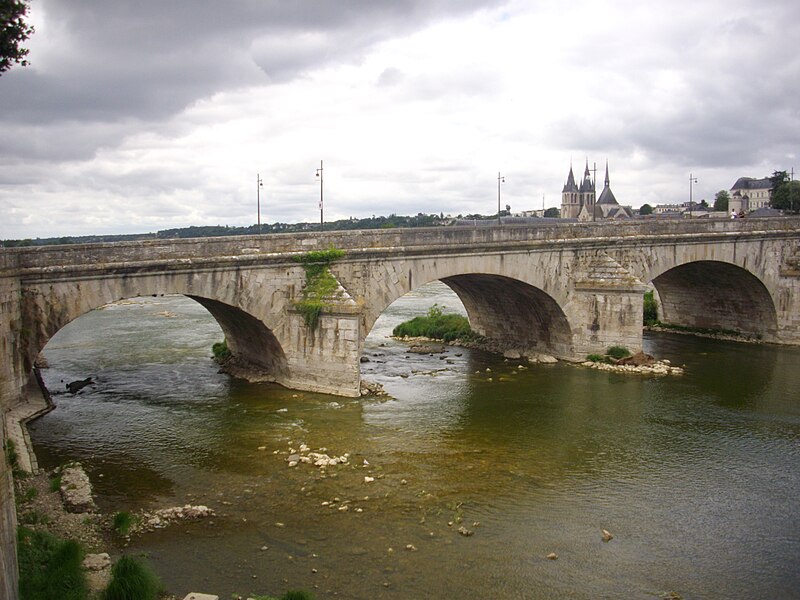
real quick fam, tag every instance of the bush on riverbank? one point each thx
(49, 567)
(132, 579)
(612, 355)
(650, 316)
(221, 351)
(437, 326)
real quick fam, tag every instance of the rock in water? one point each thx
(74, 387)
(76, 490)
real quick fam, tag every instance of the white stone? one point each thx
(96, 562)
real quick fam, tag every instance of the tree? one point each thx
(645, 209)
(552, 213)
(13, 32)
(786, 196)
(778, 178)
(703, 203)
(721, 199)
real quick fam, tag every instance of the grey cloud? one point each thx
(140, 62)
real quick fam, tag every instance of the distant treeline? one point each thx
(392, 221)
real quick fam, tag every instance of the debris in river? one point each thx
(607, 536)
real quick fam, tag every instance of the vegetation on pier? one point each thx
(319, 291)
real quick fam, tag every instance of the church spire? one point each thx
(608, 181)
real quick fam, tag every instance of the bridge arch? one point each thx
(255, 345)
(714, 294)
(512, 312)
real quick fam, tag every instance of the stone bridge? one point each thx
(564, 289)
(567, 290)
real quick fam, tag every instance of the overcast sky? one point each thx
(140, 115)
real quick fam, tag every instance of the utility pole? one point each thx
(259, 185)
(500, 179)
(321, 219)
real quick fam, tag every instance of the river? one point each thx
(697, 476)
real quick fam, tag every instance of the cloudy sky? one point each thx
(140, 115)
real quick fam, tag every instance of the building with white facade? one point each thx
(750, 194)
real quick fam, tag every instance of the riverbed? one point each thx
(697, 476)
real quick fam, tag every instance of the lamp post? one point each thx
(500, 179)
(259, 185)
(692, 181)
(319, 174)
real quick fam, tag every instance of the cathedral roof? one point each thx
(607, 197)
(570, 185)
(586, 184)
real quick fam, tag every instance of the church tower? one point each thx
(586, 196)
(570, 201)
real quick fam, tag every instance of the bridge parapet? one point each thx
(277, 248)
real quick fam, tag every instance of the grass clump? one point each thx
(297, 595)
(55, 483)
(221, 351)
(618, 352)
(123, 521)
(132, 579)
(437, 325)
(612, 355)
(33, 517)
(12, 457)
(320, 287)
(49, 567)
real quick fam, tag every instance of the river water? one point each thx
(697, 477)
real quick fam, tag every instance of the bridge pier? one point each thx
(325, 358)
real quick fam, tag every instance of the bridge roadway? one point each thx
(564, 289)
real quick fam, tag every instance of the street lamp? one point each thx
(692, 181)
(259, 185)
(319, 174)
(500, 179)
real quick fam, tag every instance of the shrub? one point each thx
(596, 358)
(650, 313)
(437, 326)
(221, 351)
(49, 567)
(132, 579)
(618, 352)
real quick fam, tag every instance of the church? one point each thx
(580, 202)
